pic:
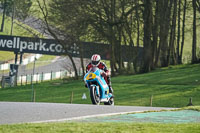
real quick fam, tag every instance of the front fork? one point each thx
(97, 90)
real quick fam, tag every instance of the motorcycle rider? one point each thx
(96, 61)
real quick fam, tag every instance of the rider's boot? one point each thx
(111, 90)
(110, 87)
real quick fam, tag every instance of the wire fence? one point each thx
(40, 77)
(39, 71)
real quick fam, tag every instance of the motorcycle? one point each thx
(99, 89)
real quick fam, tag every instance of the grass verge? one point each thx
(101, 128)
(168, 87)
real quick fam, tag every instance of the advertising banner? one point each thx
(52, 47)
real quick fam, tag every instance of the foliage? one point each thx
(157, 26)
(152, 25)
(21, 8)
(19, 30)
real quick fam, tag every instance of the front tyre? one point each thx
(93, 95)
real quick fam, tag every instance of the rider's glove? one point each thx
(103, 74)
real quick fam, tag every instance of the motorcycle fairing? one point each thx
(95, 76)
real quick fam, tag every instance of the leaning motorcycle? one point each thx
(99, 89)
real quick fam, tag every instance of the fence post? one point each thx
(151, 100)
(31, 78)
(190, 102)
(37, 78)
(71, 98)
(26, 79)
(79, 71)
(34, 95)
(70, 71)
(42, 77)
(21, 80)
(60, 75)
(51, 75)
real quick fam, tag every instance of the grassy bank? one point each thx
(169, 87)
(100, 128)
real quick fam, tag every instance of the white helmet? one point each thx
(95, 60)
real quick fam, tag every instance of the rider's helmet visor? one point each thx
(95, 62)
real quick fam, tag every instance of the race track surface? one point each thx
(24, 112)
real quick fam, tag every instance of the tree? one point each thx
(198, 5)
(155, 32)
(110, 19)
(4, 13)
(164, 22)
(147, 36)
(124, 22)
(178, 34)
(194, 57)
(171, 50)
(183, 33)
(63, 31)
(15, 8)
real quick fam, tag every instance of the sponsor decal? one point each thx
(35, 45)
(52, 47)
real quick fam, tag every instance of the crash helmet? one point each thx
(95, 60)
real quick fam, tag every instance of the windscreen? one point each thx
(93, 69)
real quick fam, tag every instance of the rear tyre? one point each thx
(93, 95)
(110, 102)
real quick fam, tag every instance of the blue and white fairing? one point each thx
(93, 77)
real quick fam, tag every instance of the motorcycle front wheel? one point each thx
(93, 95)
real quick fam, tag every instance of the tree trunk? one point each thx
(81, 57)
(165, 16)
(147, 36)
(44, 11)
(198, 5)
(194, 57)
(135, 62)
(183, 33)
(118, 51)
(112, 59)
(12, 22)
(155, 34)
(4, 13)
(171, 53)
(74, 66)
(112, 39)
(178, 34)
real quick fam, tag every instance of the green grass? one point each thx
(19, 29)
(5, 56)
(170, 87)
(197, 108)
(101, 128)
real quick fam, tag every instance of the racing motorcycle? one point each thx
(99, 89)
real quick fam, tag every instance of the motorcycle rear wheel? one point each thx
(110, 102)
(93, 95)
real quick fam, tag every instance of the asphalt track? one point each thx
(24, 112)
